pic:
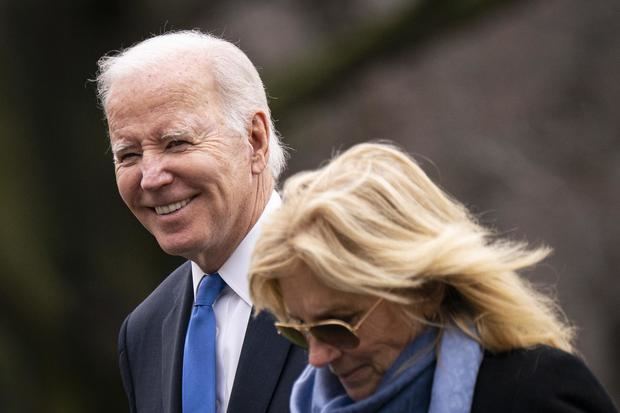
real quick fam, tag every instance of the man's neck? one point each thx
(211, 261)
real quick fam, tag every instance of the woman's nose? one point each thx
(321, 354)
(154, 173)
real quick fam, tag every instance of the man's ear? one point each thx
(259, 140)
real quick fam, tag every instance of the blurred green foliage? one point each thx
(73, 261)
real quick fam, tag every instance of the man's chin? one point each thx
(177, 249)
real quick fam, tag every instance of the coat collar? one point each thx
(263, 355)
(262, 360)
(174, 328)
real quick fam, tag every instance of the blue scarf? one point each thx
(417, 381)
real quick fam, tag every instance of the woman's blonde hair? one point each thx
(371, 222)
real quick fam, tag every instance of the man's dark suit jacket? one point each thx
(539, 380)
(151, 344)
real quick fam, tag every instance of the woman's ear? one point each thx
(432, 296)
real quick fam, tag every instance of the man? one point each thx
(196, 160)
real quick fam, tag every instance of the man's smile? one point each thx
(170, 208)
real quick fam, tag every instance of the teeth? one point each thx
(167, 209)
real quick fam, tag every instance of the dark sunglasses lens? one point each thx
(335, 335)
(294, 336)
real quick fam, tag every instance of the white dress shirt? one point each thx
(233, 307)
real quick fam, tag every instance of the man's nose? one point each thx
(154, 172)
(321, 354)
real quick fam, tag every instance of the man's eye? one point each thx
(177, 144)
(127, 157)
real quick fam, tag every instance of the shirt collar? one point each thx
(235, 270)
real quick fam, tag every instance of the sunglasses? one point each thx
(334, 332)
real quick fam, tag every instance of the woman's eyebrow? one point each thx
(334, 312)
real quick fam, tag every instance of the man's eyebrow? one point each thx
(121, 145)
(175, 133)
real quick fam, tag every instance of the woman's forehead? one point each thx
(306, 296)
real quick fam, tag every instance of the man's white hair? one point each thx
(237, 82)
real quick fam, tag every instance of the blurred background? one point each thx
(511, 106)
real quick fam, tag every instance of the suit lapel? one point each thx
(173, 331)
(262, 359)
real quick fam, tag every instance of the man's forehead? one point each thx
(165, 121)
(185, 78)
(158, 87)
(134, 100)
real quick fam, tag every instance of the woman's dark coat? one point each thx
(542, 380)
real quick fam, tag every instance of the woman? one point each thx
(405, 303)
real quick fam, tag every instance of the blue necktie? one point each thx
(199, 354)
